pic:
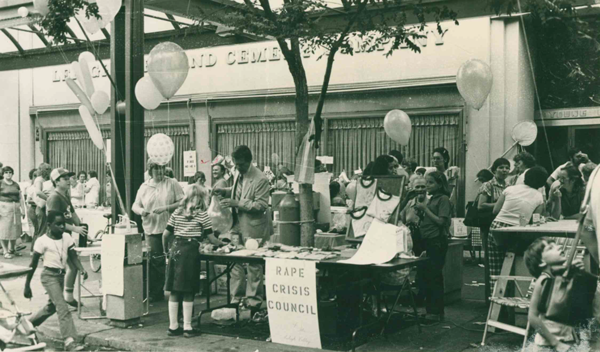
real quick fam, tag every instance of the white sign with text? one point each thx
(189, 163)
(292, 302)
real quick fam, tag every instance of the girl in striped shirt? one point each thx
(190, 225)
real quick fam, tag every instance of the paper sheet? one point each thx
(378, 246)
(113, 256)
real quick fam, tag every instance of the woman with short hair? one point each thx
(11, 209)
(565, 200)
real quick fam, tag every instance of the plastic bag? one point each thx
(222, 218)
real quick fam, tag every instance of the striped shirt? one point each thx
(196, 226)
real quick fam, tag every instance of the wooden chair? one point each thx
(519, 301)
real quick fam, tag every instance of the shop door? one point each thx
(263, 138)
(75, 151)
(588, 139)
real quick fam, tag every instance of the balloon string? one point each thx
(535, 87)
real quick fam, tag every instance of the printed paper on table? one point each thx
(459, 228)
(189, 163)
(292, 302)
(378, 246)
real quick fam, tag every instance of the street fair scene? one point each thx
(300, 175)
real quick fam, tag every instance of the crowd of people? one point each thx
(176, 223)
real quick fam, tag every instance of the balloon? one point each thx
(474, 80)
(397, 126)
(23, 11)
(85, 59)
(108, 9)
(168, 67)
(41, 6)
(91, 127)
(146, 93)
(91, 24)
(79, 94)
(100, 101)
(160, 148)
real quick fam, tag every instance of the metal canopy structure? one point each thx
(24, 45)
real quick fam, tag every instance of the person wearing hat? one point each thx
(60, 201)
(156, 199)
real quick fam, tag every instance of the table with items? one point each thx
(334, 278)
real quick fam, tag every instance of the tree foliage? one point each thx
(566, 49)
(55, 23)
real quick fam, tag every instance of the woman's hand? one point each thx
(159, 210)
(421, 205)
(145, 213)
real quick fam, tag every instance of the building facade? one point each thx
(244, 94)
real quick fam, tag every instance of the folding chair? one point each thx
(405, 285)
(522, 301)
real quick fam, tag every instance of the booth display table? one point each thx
(365, 272)
(517, 239)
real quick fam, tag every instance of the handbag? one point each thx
(472, 214)
(567, 297)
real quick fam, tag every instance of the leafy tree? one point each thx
(320, 26)
(566, 50)
(55, 23)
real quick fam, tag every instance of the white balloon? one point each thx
(397, 126)
(108, 9)
(92, 24)
(85, 59)
(146, 93)
(160, 148)
(100, 101)
(77, 70)
(23, 11)
(87, 56)
(91, 127)
(41, 6)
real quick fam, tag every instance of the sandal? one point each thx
(8, 256)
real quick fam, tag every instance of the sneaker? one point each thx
(73, 304)
(176, 332)
(191, 333)
(71, 345)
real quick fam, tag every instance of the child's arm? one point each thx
(214, 240)
(166, 239)
(75, 260)
(33, 265)
(535, 318)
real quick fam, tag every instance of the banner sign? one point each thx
(189, 163)
(292, 302)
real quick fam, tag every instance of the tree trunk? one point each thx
(294, 59)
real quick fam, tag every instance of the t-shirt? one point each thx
(151, 196)
(439, 204)
(59, 203)
(520, 201)
(92, 192)
(55, 252)
(197, 226)
(9, 193)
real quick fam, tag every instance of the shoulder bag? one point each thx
(567, 297)
(472, 214)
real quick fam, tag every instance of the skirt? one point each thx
(183, 270)
(10, 221)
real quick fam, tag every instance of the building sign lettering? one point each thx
(569, 113)
(242, 56)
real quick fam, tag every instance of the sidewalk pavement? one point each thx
(461, 331)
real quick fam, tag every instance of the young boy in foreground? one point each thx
(542, 256)
(56, 247)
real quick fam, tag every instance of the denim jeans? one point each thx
(54, 283)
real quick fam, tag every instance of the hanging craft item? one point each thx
(361, 222)
(397, 126)
(160, 148)
(383, 205)
(474, 80)
(168, 67)
(146, 93)
(365, 192)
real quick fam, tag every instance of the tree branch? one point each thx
(329, 68)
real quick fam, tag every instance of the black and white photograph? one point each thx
(300, 175)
